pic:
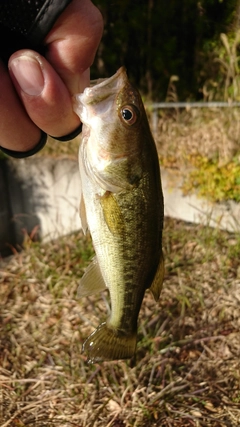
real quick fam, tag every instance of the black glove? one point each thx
(25, 23)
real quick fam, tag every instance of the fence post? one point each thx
(154, 121)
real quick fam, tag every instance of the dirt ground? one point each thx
(186, 372)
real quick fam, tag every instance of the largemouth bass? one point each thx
(122, 206)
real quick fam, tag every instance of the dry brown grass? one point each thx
(211, 133)
(187, 367)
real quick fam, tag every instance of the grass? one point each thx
(209, 132)
(212, 181)
(186, 371)
(203, 145)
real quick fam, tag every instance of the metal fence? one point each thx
(180, 105)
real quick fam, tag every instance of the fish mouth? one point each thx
(101, 89)
(103, 81)
(91, 103)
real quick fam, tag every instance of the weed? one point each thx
(225, 85)
(213, 181)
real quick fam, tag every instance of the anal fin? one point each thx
(92, 281)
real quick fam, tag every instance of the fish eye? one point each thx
(129, 114)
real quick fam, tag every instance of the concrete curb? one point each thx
(193, 209)
(42, 199)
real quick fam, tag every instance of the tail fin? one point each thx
(107, 343)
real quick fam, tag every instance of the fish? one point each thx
(121, 204)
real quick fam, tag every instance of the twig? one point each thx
(170, 388)
(21, 410)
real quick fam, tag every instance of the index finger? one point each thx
(73, 41)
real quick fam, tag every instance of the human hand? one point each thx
(36, 91)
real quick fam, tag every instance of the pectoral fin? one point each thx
(121, 174)
(112, 214)
(92, 281)
(156, 285)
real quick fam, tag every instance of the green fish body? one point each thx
(122, 206)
